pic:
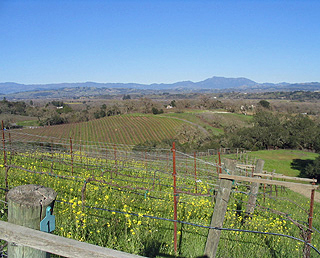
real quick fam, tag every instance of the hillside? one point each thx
(212, 121)
(215, 84)
(125, 129)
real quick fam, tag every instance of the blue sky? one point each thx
(158, 41)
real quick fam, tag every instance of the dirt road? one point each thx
(306, 193)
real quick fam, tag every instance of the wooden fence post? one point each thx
(219, 212)
(27, 206)
(254, 189)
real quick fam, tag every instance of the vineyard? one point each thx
(125, 129)
(155, 203)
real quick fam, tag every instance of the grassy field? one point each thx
(19, 120)
(33, 122)
(105, 217)
(126, 198)
(286, 162)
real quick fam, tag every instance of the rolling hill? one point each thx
(214, 84)
(125, 129)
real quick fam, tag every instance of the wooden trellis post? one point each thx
(219, 212)
(254, 189)
(27, 206)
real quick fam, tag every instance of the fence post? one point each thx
(175, 216)
(10, 148)
(4, 145)
(71, 154)
(306, 252)
(115, 158)
(219, 162)
(219, 212)
(27, 206)
(195, 171)
(5, 158)
(254, 189)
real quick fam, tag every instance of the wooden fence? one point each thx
(23, 236)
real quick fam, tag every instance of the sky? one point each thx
(159, 41)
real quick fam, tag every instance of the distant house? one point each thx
(169, 107)
(60, 107)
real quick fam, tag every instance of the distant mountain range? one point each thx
(214, 84)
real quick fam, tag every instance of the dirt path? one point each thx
(306, 193)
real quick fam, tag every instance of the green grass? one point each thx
(281, 160)
(28, 123)
(146, 236)
(245, 118)
(16, 118)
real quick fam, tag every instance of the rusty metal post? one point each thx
(11, 150)
(5, 159)
(146, 162)
(264, 193)
(186, 164)
(220, 171)
(71, 154)
(174, 196)
(217, 167)
(167, 161)
(51, 148)
(307, 247)
(4, 146)
(195, 170)
(115, 158)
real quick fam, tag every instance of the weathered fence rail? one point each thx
(19, 235)
(266, 181)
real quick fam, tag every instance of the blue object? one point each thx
(48, 224)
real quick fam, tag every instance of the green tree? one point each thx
(312, 170)
(264, 104)
(301, 132)
(126, 97)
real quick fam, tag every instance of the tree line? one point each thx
(272, 130)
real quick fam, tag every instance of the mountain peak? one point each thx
(214, 83)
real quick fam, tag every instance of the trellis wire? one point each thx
(198, 225)
(120, 157)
